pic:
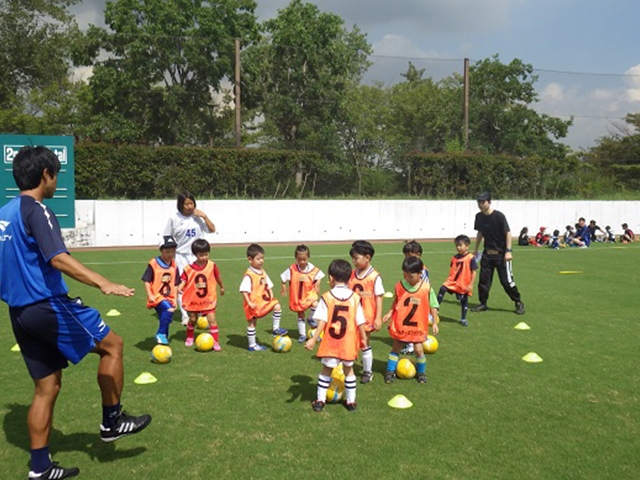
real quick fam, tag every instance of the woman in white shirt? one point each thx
(187, 225)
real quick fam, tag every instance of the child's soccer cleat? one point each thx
(481, 308)
(55, 471)
(188, 342)
(312, 323)
(125, 425)
(317, 405)
(161, 339)
(366, 377)
(351, 406)
(257, 348)
(279, 331)
(407, 349)
(302, 338)
(421, 378)
(519, 308)
(217, 347)
(464, 322)
(389, 376)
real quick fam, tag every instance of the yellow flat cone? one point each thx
(388, 295)
(569, 272)
(15, 348)
(113, 313)
(145, 378)
(400, 401)
(522, 326)
(532, 357)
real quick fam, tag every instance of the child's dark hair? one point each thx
(412, 248)
(182, 197)
(556, 233)
(568, 227)
(412, 265)
(362, 247)
(200, 246)
(524, 230)
(254, 249)
(340, 270)
(608, 227)
(464, 239)
(30, 163)
(302, 249)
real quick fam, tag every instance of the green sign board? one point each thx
(63, 201)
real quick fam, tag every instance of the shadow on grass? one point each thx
(447, 320)
(147, 344)
(15, 429)
(303, 387)
(238, 341)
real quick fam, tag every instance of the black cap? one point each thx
(167, 242)
(484, 197)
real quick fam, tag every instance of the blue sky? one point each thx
(586, 53)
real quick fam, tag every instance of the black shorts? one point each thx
(55, 331)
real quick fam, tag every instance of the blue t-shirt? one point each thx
(29, 238)
(585, 234)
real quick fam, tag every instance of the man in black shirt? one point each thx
(492, 226)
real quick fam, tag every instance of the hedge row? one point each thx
(138, 172)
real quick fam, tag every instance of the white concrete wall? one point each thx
(106, 223)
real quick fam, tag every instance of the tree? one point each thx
(36, 36)
(297, 76)
(167, 59)
(500, 119)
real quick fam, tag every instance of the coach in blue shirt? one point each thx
(582, 237)
(50, 327)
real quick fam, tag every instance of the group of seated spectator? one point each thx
(581, 236)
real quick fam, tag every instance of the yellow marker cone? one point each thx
(15, 348)
(400, 401)
(388, 295)
(569, 272)
(532, 357)
(522, 326)
(145, 378)
(113, 313)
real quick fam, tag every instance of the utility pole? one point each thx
(237, 97)
(466, 104)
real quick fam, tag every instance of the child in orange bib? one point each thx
(409, 316)
(341, 318)
(257, 292)
(462, 274)
(367, 283)
(198, 285)
(304, 289)
(161, 285)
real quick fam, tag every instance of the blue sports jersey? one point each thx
(29, 238)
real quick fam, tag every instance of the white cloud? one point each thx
(554, 92)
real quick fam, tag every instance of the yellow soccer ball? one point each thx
(338, 373)
(204, 342)
(161, 354)
(405, 369)
(335, 392)
(281, 343)
(430, 344)
(312, 332)
(202, 323)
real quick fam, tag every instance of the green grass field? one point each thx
(484, 412)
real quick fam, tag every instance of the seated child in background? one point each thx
(340, 316)
(304, 288)
(554, 241)
(161, 282)
(409, 318)
(462, 275)
(542, 237)
(568, 235)
(610, 236)
(199, 282)
(627, 236)
(414, 249)
(257, 292)
(523, 239)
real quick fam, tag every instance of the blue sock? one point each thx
(40, 459)
(109, 414)
(165, 317)
(421, 364)
(392, 363)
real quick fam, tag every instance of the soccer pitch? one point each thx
(484, 412)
